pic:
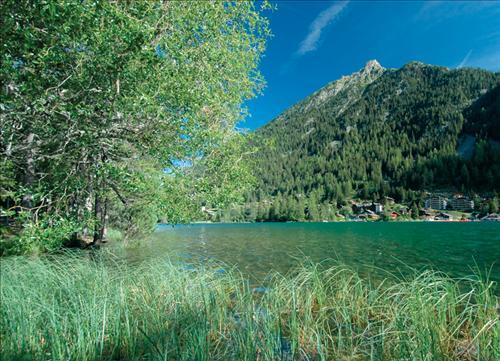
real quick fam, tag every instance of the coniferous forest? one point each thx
(378, 133)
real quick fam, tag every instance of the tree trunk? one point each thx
(29, 175)
(100, 213)
(97, 218)
(104, 220)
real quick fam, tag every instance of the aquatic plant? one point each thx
(91, 306)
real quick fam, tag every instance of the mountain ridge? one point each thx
(383, 132)
(371, 69)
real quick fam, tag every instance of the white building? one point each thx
(436, 203)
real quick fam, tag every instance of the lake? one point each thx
(375, 249)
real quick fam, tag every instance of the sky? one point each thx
(316, 42)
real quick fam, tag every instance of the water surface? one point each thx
(372, 248)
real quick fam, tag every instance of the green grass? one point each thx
(84, 307)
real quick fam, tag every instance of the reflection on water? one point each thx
(372, 248)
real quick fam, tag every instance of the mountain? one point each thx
(383, 132)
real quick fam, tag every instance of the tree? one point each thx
(115, 109)
(493, 205)
(313, 211)
(414, 211)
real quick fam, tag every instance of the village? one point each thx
(437, 207)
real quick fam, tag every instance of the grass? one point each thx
(85, 307)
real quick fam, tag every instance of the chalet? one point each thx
(359, 207)
(404, 210)
(369, 215)
(394, 215)
(425, 214)
(365, 207)
(436, 202)
(491, 217)
(375, 207)
(356, 207)
(443, 217)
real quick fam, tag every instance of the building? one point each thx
(443, 217)
(369, 215)
(425, 214)
(393, 215)
(404, 210)
(375, 207)
(360, 207)
(436, 202)
(462, 204)
(491, 217)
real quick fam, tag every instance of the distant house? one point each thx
(367, 207)
(404, 210)
(375, 207)
(369, 215)
(443, 217)
(425, 214)
(491, 217)
(436, 202)
(356, 207)
(462, 204)
(394, 215)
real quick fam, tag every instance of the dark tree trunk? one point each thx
(104, 220)
(100, 206)
(97, 218)
(100, 213)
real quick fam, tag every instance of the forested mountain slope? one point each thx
(384, 132)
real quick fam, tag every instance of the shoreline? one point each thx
(348, 221)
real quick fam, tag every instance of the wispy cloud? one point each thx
(488, 60)
(324, 18)
(428, 8)
(465, 60)
(437, 11)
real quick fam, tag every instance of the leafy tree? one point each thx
(123, 111)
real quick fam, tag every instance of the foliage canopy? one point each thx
(123, 111)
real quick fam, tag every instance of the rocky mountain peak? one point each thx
(372, 65)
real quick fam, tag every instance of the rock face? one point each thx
(372, 65)
(346, 90)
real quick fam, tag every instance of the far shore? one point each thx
(354, 221)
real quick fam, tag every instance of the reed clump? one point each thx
(76, 307)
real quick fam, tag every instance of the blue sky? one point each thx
(316, 42)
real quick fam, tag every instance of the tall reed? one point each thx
(77, 307)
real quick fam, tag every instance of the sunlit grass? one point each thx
(79, 307)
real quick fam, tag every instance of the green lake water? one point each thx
(374, 249)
